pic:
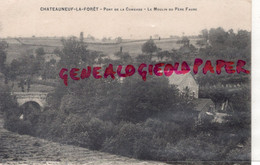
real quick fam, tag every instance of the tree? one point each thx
(149, 47)
(28, 65)
(39, 60)
(142, 99)
(7, 101)
(217, 36)
(25, 67)
(104, 39)
(124, 58)
(49, 69)
(12, 71)
(119, 40)
(40, 51)
(74, 54)
(40, 54)
(3, 47)
(88, 94)
(90, 37)
(201, 43)
(204, 34)
(21, 84)
(240, 116)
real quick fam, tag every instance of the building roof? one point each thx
(202, 104)
(179, 79)
(48, 57)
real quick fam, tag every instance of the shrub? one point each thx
(240, 154)
(98, 131)
(13, 123)
(193, 149)
(123, 142)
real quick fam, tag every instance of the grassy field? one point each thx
(16, 50)
(28, 45)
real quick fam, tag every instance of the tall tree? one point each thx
(149, 47)
(3, 47)
(142, 99)
(75, 54)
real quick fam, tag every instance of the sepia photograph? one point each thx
(125, 83)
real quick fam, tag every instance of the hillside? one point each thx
(18, 46)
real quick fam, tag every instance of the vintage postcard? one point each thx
(125, 82)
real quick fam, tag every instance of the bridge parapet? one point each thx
(31, 94)
(38, 97)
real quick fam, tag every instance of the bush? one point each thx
(98, 131)
(15, 124)
(149, 148)
(193, 149)
(8, 102)
(123, 142)
(240, 154)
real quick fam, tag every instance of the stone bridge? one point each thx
(36, 97)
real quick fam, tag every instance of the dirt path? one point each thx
(23, 149)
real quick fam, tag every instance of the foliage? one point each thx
(8, 102)
(124, 58)
(74, 54)
(149, 47)
(142, 119)
(239, 154)
(3, 47)
(142, 99)
(192, 149)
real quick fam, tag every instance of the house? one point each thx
(49, 57)
(204, 105)
(207, 111)
(185, 83)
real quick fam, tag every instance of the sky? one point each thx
(23, 18)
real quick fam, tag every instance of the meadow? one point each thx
(133, 47)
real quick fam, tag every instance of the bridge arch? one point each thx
(37, 97)
(30, 111)
(36, 104)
